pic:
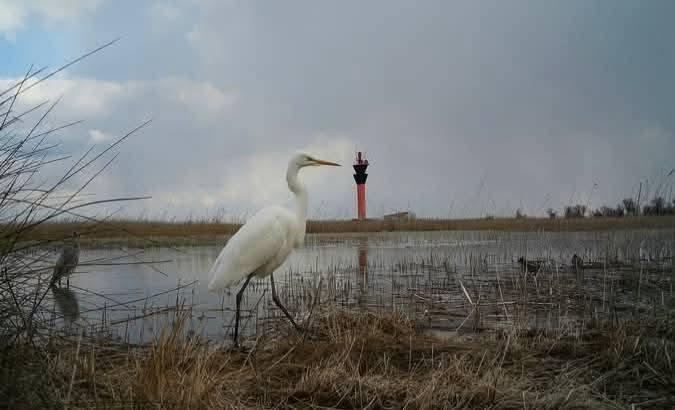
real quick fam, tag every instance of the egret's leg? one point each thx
(276, 300)
(240, 294)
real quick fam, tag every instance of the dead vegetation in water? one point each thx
(363, 360)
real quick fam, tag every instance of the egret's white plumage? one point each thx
(265, 240)
(259, 247)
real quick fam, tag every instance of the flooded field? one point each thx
(444, 281)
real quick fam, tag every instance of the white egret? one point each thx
(265, 241)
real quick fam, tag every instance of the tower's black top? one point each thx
(360, 178)
(360, 167)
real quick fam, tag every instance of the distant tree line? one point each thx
(656, 207)
(659, 206)
(575, 211)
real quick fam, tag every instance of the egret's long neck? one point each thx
(299, 190)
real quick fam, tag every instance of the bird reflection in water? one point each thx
(66, 303)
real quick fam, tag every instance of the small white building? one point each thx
(400, 216)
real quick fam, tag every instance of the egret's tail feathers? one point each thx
(219, 283)
(214, 286)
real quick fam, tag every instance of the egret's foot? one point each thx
(299, 328)
(237, 348)
(310, 336)
(235, 343)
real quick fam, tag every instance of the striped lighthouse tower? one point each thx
(360, 176)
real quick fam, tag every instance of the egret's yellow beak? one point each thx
(322, 162)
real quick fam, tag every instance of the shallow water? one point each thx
(435, 277)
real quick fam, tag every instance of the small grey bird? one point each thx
(531, 266)
(577, 263)
(68, 260)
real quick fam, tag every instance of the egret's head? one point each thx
(303, 160)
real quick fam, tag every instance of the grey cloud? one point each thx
(464, 108)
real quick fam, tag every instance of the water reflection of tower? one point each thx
(363, 271)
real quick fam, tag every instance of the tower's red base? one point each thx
(361, 200)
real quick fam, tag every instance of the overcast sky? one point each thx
(464, 108)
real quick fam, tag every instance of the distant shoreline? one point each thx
(212, 232)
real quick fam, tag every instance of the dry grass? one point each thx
(194, 232)
(496, 224)
(133, 229)
(352, 360)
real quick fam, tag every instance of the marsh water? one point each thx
(443, 280)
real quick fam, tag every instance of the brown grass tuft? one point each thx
(359, 360)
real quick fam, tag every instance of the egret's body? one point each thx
(265, 241)
(258, 248)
